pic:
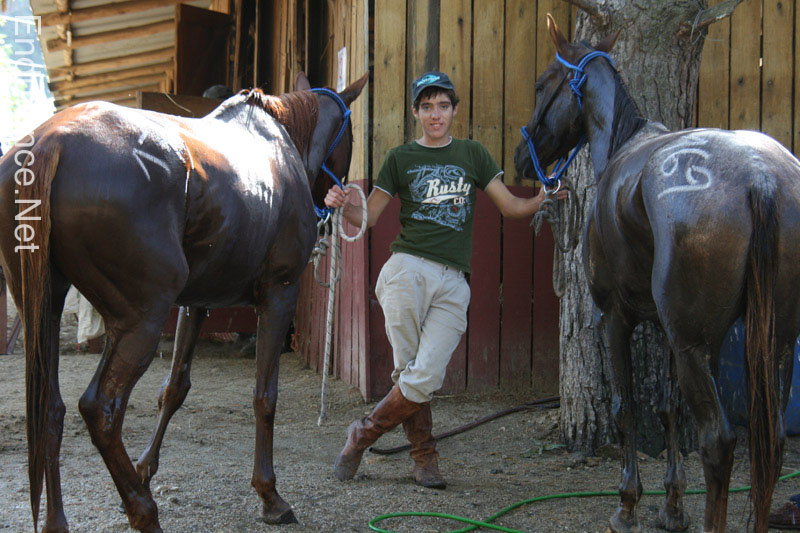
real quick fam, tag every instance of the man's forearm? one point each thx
(522, 207)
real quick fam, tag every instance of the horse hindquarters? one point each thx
(704, 277)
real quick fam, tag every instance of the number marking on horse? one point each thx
(697, 177)
(139, 154)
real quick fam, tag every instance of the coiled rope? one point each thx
(335, 274)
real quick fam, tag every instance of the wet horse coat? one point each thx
(141, 211)
(691, 229)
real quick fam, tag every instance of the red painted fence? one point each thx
(512, 337)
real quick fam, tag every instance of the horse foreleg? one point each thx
(616, 334)
(717, 440)
(273, 322)
(127, 355)
(673, 516)
(175, 387)
(56, 520)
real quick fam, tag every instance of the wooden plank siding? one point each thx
(483, 370)
(745, 76)
(776, 77)
(409, 39)
(749, 75)
(493, 50)
(492, 347)
(714, 87)
(519, 75)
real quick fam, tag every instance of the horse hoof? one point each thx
(618, 524)
(56, 525)
(674, 522)
(286, 517)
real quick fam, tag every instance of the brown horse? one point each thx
(691, 229)
(142, 211)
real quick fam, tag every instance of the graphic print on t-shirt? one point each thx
(442, 193)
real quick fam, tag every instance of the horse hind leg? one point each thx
(56, 520)
(616, 334)
(273, 322)
(128, 352)
(673, 516)
(174, 389)
(717, 440)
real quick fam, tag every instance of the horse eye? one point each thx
(538, 88)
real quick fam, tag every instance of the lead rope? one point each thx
(335, 274)
(566, 231)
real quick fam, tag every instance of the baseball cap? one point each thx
(430, 79)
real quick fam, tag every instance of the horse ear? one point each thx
(352, 92)
(608, 42)
(555, 34)
(301, 82)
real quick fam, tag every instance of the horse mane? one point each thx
(297, 112)
(627, 118)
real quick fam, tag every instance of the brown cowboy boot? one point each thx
(423, 448)
(388, 414)
(787, 517)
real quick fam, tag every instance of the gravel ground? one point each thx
(204, 479)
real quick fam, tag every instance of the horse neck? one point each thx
(257, 109)
(610, 114)
(301, 113)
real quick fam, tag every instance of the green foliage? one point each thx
(23, 101)
(12, 87)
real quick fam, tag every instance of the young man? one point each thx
(422, 288)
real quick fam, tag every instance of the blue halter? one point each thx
(324, 212)
(576, 83)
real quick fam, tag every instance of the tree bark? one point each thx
(660, 66)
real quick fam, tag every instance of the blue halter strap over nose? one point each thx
(576, 83)
(324, 212)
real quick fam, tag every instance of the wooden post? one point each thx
(237, 51)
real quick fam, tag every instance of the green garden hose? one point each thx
(475, 524)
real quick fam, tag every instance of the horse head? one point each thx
(331, 147)
(558, 123)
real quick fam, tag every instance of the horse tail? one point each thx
(762, 366)
(36, 305)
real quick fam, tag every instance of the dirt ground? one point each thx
(204, 479)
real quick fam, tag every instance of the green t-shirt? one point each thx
(437, 197)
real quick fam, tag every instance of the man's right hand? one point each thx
(336, 197)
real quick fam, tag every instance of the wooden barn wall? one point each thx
(489, 49)
(346, 24)
(512, 338)
(494, 50)
(749, 72)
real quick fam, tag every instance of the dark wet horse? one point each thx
(691, 229)
(141, 211)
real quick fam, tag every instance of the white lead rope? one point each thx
(334, 276)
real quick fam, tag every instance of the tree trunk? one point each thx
(660, 69)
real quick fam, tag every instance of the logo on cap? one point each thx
(430, 78)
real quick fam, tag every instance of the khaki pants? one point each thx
(425, 305)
